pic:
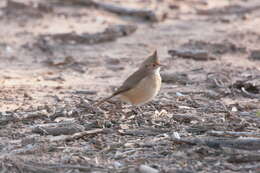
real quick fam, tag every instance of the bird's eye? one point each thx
(153, 65)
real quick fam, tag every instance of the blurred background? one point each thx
(85, 43)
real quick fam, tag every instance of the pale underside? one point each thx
(144, 91)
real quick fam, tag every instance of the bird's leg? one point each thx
(139, 115)
(153, 107)
(118, 107)
(137, 110)
(140, 111)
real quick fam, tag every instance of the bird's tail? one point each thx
(104, 100)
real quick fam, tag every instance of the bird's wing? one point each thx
(129, 83)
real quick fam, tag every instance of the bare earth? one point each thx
(59, 57)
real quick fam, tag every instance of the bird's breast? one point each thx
(144, 91)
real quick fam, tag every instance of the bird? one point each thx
(141, 86)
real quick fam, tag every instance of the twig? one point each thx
(181, 78)
(23, 167)
(45, 168)
(184, 118)
(30, 149)
(142, 13)
(243, 143)
(250, 168)
(145, 14)
(82, 134)
(233, 134)
(109, 34)
(250, 95)
(228, 10)
(22, 116)
(244, 158)
(143, 132)
(55, 129)
(199, 55)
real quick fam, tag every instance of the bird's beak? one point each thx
(161, 65)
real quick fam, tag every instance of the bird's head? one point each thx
(152, 62)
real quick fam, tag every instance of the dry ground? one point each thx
(205, 119)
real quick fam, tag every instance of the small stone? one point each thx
(176, 135)
(179, 94)
(234, 109)
(117, 165)
(255, 55)
(147, 169)
(8, 49)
